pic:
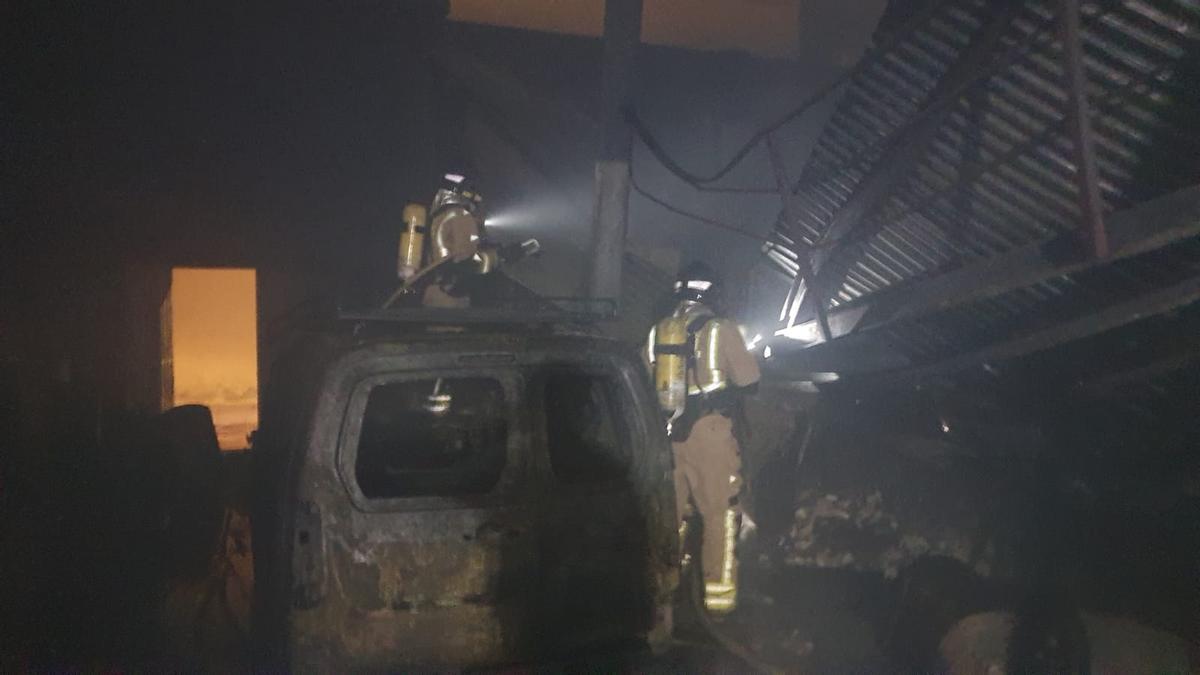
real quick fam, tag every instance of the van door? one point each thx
(421, 547)
(600, 524)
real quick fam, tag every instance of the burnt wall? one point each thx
(286, 139)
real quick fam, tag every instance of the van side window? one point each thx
(584, 432)
(435, 437)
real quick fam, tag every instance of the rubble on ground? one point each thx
(855, 530)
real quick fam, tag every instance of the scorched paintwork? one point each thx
(536, 568)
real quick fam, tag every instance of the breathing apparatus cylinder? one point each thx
(670, 364)
(412, 241)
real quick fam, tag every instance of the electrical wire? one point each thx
(1012, 55)
(1046, 29)
(1015, 52)
(711, 222)
(697, 181)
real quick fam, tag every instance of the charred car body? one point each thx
(470, 491)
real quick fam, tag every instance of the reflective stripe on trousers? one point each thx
(707, 479)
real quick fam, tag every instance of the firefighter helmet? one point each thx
(457, 190)
(698, 283)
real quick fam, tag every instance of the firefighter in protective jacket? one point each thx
(701, 368)
(451, 256)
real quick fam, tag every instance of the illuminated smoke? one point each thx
(214, 348)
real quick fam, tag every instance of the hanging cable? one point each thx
(697, 181)
(1037, 35)
(711, 222)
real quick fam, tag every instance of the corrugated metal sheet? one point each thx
(999, 173)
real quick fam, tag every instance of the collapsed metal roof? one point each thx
(939, 223)
(943, 214)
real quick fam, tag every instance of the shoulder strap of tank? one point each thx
(693, 409)
(697, 324)
(693, 328)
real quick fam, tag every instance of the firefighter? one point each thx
(701, 370)
(456, 253)
(445, 261)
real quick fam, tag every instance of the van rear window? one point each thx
(585, 430)
(440, 436)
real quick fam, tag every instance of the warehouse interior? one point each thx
(962, 239)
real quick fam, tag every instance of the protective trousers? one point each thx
(708, 476)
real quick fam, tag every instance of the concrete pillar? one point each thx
(622, 33)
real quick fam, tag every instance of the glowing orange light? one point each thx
(214, 339)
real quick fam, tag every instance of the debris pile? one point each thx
(853, 530)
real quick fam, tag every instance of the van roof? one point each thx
(561, 317)
(496, 316)
(446, 325)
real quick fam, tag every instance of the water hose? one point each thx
(695, 585)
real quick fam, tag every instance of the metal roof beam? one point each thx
(1147, 227)
(1117, 383)
(1086, 325)
(902, 153)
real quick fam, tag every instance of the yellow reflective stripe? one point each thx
(714, 343)
(716, 376)
(728, 570)
(720, 605)
(721, 596)
(719, 600)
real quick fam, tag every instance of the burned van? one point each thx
(457, 493)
